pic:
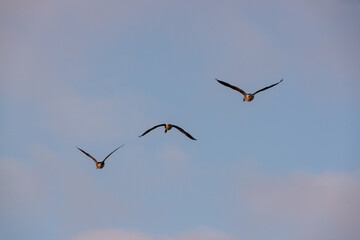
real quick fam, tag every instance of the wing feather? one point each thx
(88, 155)
(231, 86)
(184, 132)
(267, 87)
(151, 129)
(113, 152)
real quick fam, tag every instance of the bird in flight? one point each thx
(99, 165)
(247, 96)
(168, 126)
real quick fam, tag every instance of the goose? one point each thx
(99, 165)
(168, 126)
(247, 96)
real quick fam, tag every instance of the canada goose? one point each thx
(99, 165)
(168, 126)
(247, 96)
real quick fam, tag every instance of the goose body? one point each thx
(99, 165)
(169, 126)
(247, 96)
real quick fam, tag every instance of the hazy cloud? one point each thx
(308, 206)
(296, 206)
(112, 234)
(23, 190)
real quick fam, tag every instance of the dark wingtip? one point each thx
(192, 138)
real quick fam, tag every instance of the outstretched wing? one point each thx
(268, 87)
(88, 155)
(231, 86)
(112, 152)
(184, 132)
(151, 129)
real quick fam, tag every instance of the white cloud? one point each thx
(22, 191)
(201, 233)
(325, 206)
(112, 234)
(296, 206)
(118, 234)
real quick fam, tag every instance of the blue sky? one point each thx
(96, 74)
